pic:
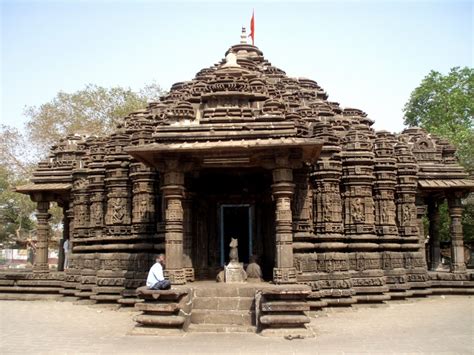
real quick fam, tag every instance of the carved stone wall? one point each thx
(384, 185)
(326, 180)
(358, 177)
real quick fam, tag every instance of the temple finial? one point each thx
(243, 36)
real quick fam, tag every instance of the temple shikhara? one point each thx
(331, 209)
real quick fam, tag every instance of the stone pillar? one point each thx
(65, 236)
(420, 213)
(282, 190)
(457, 243)
(407, 182)
(384, 185)
(173, 193)
(435, 249)
(326, 180)
(41, 258)
(357, 181)
(188, 238)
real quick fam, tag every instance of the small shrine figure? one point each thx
(234, 271)
(234, 253)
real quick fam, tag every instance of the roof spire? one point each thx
(243, 36)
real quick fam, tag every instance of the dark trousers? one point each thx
(161, 285)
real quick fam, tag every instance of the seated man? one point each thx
(155, 279)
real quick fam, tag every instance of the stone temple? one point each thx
(332, 209)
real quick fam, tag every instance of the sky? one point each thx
(366, 54)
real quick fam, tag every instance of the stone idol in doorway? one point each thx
(234, 271)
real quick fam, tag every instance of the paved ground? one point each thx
(433, 325)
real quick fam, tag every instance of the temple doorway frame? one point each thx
(250, 216)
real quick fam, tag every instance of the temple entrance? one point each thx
(236, 221)
(230, 203)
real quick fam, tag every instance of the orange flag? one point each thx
(252, 28)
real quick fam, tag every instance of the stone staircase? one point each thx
(223, 308)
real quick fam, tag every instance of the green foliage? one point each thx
(444, 222)
(92, 110)
(15, 153)
(468, 219)
(444, 105)
(16, 210)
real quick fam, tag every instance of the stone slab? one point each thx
(173, 293)
(222, 317)
(29, 297)
(220, 328)
(157, 307)
(29, 289)
(279, 306)
(156, 320)
(105, 297)
(154, 331)
(284, 319)
(223, 303)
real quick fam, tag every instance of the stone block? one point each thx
(157, 307)
(155, 320)
(279, 320)
(222, 317)
(283, 306)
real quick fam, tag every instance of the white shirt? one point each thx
(66, 245)
(155, 274)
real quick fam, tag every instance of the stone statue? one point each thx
(254, 272)
(234, 253)
(234, 271)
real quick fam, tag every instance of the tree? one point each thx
(15, 152)
(444, 105)
(92, 110)
(16, 210)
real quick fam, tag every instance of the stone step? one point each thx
(169, 307)
(371, 298)
(452, 291)
(105, 297)
(126, 301)
(220, 328)
(36, 283)
(29, 297)
(153, 320)
(227, 317)
(29, 289)
(224, 303)
(68, 291)
(84, 294)
(285, 306)
(228, 291)
(287, 319)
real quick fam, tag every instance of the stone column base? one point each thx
(285, 275)
(41, 267)
(176, 276)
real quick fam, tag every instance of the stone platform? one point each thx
(220, 307)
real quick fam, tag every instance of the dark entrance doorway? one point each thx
(236, 221)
